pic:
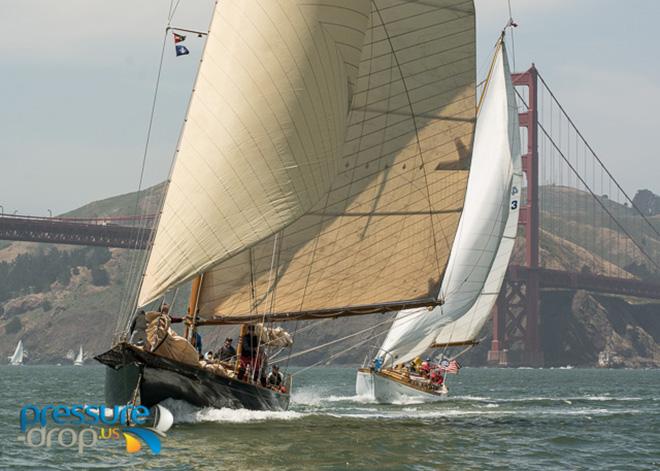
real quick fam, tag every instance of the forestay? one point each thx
(482, 243)
(384, 231)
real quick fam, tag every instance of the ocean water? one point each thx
(493, 419)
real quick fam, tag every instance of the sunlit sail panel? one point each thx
(486, 232)
(384, 231)
(263, 136)
(466, 328)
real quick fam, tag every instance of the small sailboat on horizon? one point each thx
(79, 360)
(19, 354)
(477, 264)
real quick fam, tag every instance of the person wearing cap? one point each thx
(227, 352)
(275, 378)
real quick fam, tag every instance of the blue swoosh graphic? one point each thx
(148, 437)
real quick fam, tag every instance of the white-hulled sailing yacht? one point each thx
(479, 257)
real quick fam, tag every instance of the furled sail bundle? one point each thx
(486, 234)
(324, 162)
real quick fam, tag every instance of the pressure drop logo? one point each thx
(82, 427)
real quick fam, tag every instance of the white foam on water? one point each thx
(444, 413)
(185, 413)
(568, 399)
(313, 397)
(471, 398)
(409, 400)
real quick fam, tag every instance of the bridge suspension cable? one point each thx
(619, 228)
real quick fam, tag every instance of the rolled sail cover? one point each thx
(263, 137)
(384, 231)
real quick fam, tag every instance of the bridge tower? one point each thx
(516, 313)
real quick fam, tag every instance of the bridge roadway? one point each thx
(560, 279)
(118, 232)
(104, 232)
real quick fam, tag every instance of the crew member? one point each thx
(425, 369)
(250, 354)
(227, 352)
(275, 378)
(436, 377)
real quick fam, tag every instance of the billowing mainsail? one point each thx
(263, 136)
(382, 232)
(487, 229)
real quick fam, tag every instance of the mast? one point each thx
(239, 346)
(191, 316)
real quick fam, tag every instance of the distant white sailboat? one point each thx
(17, 358)
(79, 359)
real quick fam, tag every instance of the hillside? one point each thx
(58, 297)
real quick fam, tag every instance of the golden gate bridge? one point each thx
(573, 208)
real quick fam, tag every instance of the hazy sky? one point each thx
(78, 76)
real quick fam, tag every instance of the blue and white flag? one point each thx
(181, 50)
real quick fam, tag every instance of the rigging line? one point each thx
(173, 10)
(146, 145)
(603, 206)
(134, 300)
(340, 353)
(512, 25)
(332, 342)
(419, 145)
(465, 350)
(261, 344)
(641, 213)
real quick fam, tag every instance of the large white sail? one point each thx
(466, 328)
(383, 233)
(366, 224)
(263, 136)
(17, 358)
(487, 215)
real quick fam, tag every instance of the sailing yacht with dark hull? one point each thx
(161, 378)
(321, 173)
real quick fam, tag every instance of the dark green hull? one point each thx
(156, 378)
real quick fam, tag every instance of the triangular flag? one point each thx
(178, 38)
(181, 50)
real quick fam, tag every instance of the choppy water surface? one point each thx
(495, 419)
